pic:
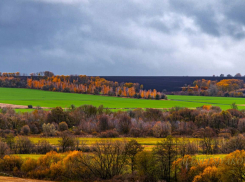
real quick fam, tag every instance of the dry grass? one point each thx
(10, 179)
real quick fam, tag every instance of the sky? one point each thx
(123, 37)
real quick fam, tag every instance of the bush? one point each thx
(147, 166)
(94, 133)
(74, 169)
(23, 145)
(45, 164)
(67, 142)
(224, 135)
(135, 132)
(34, 128)
(161, 129)
(124, 124)
(44, 147)
(25, 130)
(28, 166)
(89, 110)
(9, 163)
(153, 114)
(103, 123)
(235, 143)
(57, 115)
(109, 134)
(164, 97)
(4, 149)
(49, 129)
(63, 126)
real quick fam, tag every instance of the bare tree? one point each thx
(132, 149)
(4, 149)
(67, 141)
(107, 160)
(166, 153)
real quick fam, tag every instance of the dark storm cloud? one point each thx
(123, 37)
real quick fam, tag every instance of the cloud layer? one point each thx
(123, 37)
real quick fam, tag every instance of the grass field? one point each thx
(147, 143)
(90, 141)
(33, 156)
(198, 156)
(223, 102)
(52, 99)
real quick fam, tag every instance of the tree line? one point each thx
(102, 122)
(127, 161)
(78, 84)
(223, 88)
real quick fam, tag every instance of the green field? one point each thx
(52, 99)
(90, 141)
(223, 102)
(33, 156)
(148, 143)
(203, 156)
(198, 156)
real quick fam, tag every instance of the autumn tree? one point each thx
(124, 124)
(67, 141)
(4, 149)
(147, 166)
(232, 167)
(107, 160)
(166, 153)
(132, 148)
(209, 174)
(103, 123)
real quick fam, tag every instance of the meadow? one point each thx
(90, 141)
(147, 143)
(223, 102)
(199, 157)
(49, 99)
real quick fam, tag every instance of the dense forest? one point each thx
(78, 84)
(127, 161)
(225, 88)
(89, 120)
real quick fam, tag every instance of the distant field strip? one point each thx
(223, 102)
(148, 143)
(49, 99)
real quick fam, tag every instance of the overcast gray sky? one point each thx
(123, 37)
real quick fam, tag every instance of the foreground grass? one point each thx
(11, 179)
(41, 98)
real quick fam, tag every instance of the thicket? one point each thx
(90, 120)
(218, 129)
(224, 88)
(127, 161)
